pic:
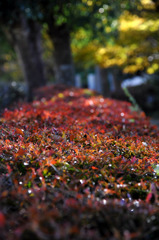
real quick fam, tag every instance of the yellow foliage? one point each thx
(135, 47)
(150, 70)
(80, 34)
(153, 68)
(110, 56)
(136, 29)
(148, 4)
(90, 3)
(139, 60)
(131, 69)
(85, 55)
(129, 22)
(135, 44)
(108, 29)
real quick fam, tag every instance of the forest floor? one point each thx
(75, 165)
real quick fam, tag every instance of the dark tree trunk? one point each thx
(26, 39)
(108, 80)
(102, 81)
(63, 63)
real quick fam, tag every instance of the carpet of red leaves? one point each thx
(74, 165)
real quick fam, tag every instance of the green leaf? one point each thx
(156, 169)
(29, 184)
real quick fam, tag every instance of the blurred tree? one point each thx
(66, 17)
(9, 69)
(137, 45)
(24, 34)
(62, 18)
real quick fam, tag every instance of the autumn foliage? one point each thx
(75, 165)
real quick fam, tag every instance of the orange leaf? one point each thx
(19, 131)
(50, 161)
(94, 168)
(20, 152)
(46, 114)
(9, 169)
(76, 150)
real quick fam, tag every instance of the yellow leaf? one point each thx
(61, 95)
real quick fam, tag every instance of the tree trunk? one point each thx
(108, 80)
(63, 63)
(103, 83)
(26, 39)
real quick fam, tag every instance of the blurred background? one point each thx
(104, 45)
